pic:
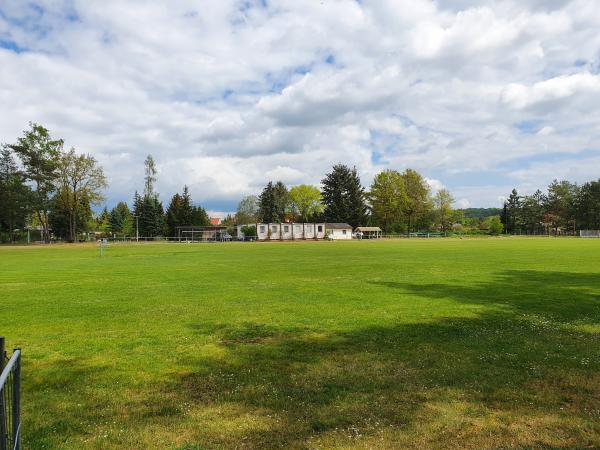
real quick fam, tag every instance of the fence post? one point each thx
(3, 431)
(16, 403)
(2, 353)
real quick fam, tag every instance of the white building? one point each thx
(338, 231)
(368, 232)
(298, 231)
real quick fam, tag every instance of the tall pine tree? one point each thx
(267, 209)
(16, 196)
(174, 215)
(148, 209)
(513, 212)
(344, 196)
(282, 201)
(187, 208)
(357, 208)
(199, 217)
(121, 220)
(181, 212)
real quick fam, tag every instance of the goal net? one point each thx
(589, 233)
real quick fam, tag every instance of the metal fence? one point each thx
(10, 399)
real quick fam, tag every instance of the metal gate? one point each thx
(10, 400)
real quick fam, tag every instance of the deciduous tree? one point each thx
(443, 201)
(79, 176)
(388, 198)
(588, 206)
(306, 202)
(60, 218)
(39, 154)
(561, 203)
(493, 225)
(418, 196)
(532, 212)
(247, 210)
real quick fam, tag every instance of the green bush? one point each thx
(249, 231)
(494, 225)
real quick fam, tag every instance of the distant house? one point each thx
(215, 221)
(289, 231)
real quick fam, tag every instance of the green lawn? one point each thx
(423, 343)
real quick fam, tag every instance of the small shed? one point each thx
(368, 232)
(338, 231)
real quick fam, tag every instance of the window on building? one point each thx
(320, 228)
(262, 228)
(343, 231)
(297, 228)
(274, 229)
(286, 229)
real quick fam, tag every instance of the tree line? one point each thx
(398, 202)
(52, 191)
(148, 217)
(565, 208)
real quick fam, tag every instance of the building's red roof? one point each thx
(215, 221)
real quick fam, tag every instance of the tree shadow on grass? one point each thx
(514, 376)
(561, 296)
(80, 402)
(59, 389)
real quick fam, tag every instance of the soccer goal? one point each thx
(192, 236)
(589, 233)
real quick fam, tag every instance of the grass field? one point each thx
(432, 343)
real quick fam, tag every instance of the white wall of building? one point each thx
(336, 234)
(296, 231)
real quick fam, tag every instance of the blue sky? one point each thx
(479, 96)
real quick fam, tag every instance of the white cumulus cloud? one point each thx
(480, 96)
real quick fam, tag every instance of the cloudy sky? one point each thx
(479, 96)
